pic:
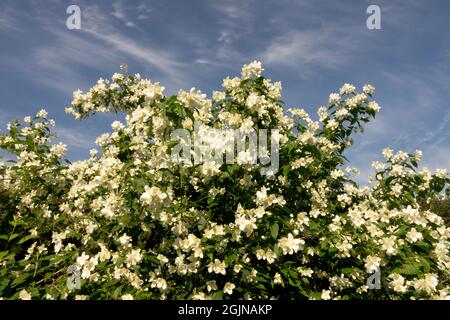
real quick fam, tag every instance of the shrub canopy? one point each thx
(137, 224)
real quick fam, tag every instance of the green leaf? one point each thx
(218, 295)
(25, 239)
(3, 284)
(21, 279)
(274, 230)
(348, 270)
(286, 171)
(425, 265)
(407, 269)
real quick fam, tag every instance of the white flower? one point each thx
(378, 165)
(389, 245)
(341, 113)
(261, 195)
(104, 254)
(42, 114)
(81, 260)
(217, 267)
(124, 240)
(228, 288)
(163, 259)
(59, 149)
(117, 76)
(211, 285)
(368, 89)
(237, 268)
(372, 105)
(305, 272)
(418, 155)
(322, 113)
(372, 263)
(117, 125)
(127, 297)
(344, 248)
(332, 124)
(89, 266)
(427, 284)
(159, 283)
(199, 296)
(210, 168)
(218, 96)
(413, 235)
(134, 257)
(289, 244)
(397, 282)
(102, 139)
(347, 88)
(334, 98)
(268, 255)
(277, 278)
(246, 225)
(441, 173)
(326, 295)
(336, 174)
(187, 123)
(153, 196)
(387, 153)
(252, 69)
(24, 295)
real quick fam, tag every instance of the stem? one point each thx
(10, 235)
(36, 265)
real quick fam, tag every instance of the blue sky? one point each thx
(312, 47)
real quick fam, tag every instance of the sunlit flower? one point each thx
(24, 295)
(228, 288)
(290, 245)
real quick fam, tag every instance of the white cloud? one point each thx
(159, 60)
(236, 20)
(75, 138)
(56, 63)
(120, 13)
(305, 47)
(98, 25)
(98, 46)
(436, 157)
(145, 9)
(231, 9)
(68, 48)
(7, 22)
(439, 133)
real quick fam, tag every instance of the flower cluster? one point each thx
(136, 225)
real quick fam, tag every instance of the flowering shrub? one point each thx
(138, 225)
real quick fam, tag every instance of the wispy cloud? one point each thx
(97, 24)
(439, 133)
(62, 58)
(236, 21)
(99, 45)
(120, 13)
(7, 21)
(76, 138)
(79, 142)
(301, 48)
(159, 60)
(437, 157)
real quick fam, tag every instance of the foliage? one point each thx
(138, 225)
